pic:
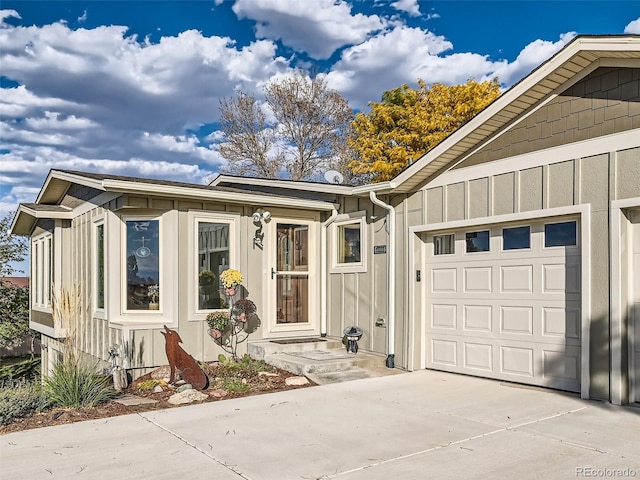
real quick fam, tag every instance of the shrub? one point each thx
(27, 369)
(149, 385)
(234, 385)
(76, 383)
(21, 398)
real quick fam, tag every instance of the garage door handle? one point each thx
(273, 273)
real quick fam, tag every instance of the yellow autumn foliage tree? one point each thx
(409, 122)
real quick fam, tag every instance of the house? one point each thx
(511, 250)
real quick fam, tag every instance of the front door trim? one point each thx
(312, 326)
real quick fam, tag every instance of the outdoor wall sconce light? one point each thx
(261, 215)
(258, 217)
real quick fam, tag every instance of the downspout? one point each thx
(323, 272)
(391, 273)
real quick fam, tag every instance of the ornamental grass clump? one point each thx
(76, 383)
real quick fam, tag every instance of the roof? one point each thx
(578, 58)
(19, 282)
(58, 181)
(283, 184)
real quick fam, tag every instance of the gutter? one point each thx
(323, 272)
(391, 259)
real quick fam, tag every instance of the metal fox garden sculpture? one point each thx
(181, 360)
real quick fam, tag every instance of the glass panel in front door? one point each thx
(292, 276)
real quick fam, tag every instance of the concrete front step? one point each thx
(259, 349)
(323, 360)
(311, 362)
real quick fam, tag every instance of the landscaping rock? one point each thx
(297, 381)
(188, 396)
(161, 373)
(158, 389)
(182, 388)
(218, 393)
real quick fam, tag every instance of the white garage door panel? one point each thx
(510, 315)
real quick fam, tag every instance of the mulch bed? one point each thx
(257, 384)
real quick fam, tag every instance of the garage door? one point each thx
(503, 302)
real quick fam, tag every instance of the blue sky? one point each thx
(133, 88)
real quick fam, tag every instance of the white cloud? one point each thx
(86, 97)
(633, 27)
(409, 6)
(406, 54)
(83, 18)
(529, 58)
(8, 14)
(318, 29)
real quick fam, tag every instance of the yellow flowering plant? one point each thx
(231, 278)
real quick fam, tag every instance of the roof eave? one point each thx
(282, 184)
(380, 187)
(206, 194)
(25, 219)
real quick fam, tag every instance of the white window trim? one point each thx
(41, 299)
(349, 219)
(196, 216)
(99, 312)
(116, 234)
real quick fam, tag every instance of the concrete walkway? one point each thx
(420, 425)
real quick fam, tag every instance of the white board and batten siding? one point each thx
(506, 314)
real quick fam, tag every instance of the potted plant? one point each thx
(231, 279)
(153, 292)
(218, 322)
(206, 280)
(243, 308)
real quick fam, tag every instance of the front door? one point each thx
(292, 279)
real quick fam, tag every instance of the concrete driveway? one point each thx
(419, 425)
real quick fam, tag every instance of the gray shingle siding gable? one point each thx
(606, 101)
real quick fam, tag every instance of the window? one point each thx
(444, 244)
(516, 238)
(349, 237)
(477, 241)
(42, 270)
(213, 259)
(560, 234)
(143, 264)
(213, 248)
(99, 275)
(349, 233)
